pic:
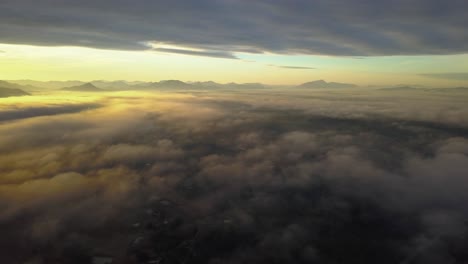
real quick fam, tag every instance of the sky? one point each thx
(274, 42)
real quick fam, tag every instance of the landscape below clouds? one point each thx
(170, 172)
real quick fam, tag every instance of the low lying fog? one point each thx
(256, 176)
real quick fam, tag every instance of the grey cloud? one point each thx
(353, 28)
(125, 153)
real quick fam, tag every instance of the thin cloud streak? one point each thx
(214, 54)
(447, 76)
(297, 67)
(292, 67)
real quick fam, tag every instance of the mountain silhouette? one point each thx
(324, 84)
(87, 87)
(8, 92)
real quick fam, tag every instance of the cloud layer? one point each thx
(237, 177)
(223, 28)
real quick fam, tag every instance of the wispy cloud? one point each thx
(448, 75)
(297, 67)
(292, 67)
(205, 53)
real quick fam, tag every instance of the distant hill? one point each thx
(232, 85)
(53, 85)
(87, 87)
(423, 89)
(244, 86)
(208, 84)
(12, 85)
(120, 85)
(8, 92)
(167, 84)
(324, 84)
(174, 84)
(401, 88)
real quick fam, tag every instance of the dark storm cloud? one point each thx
(350, 28)
(448, 76)
(239, 177)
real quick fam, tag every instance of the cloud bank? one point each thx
(238, 177)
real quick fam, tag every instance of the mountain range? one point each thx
(9, 92)
(324, 84)
(24, 87)
(87, 87)
(8, 89)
